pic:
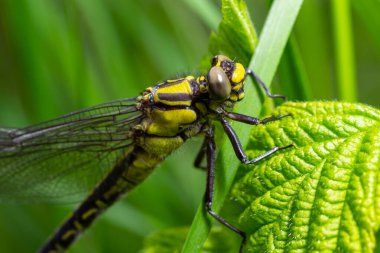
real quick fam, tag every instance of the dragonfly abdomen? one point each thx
(127, 173)
(104, 195)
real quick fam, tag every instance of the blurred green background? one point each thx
(59, 56)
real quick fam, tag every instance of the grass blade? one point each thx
(344, 51)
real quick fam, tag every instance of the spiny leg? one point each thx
(210, 148)
(241, 156)
(211, 158)
(239, 149)
(248, 119)
(262, 84)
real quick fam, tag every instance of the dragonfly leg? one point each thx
(211, 157)
(262, 84)
(239, 149)
(200, 156)
(248, 119)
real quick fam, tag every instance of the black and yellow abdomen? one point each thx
(129, 172)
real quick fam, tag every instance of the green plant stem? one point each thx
(344, 51)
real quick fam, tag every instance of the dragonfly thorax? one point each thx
(175, 105)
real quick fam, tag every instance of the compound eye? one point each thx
(219, 84)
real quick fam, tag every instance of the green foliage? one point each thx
(320, 195)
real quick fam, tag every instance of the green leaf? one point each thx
(323, 194)
(236, 36)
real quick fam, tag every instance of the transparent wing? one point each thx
(61, 159)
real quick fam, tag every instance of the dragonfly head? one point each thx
(226, 79)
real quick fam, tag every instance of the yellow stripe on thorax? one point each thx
(174, 89)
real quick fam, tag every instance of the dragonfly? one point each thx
(114, 146)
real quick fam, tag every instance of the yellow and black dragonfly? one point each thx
(116, 145)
